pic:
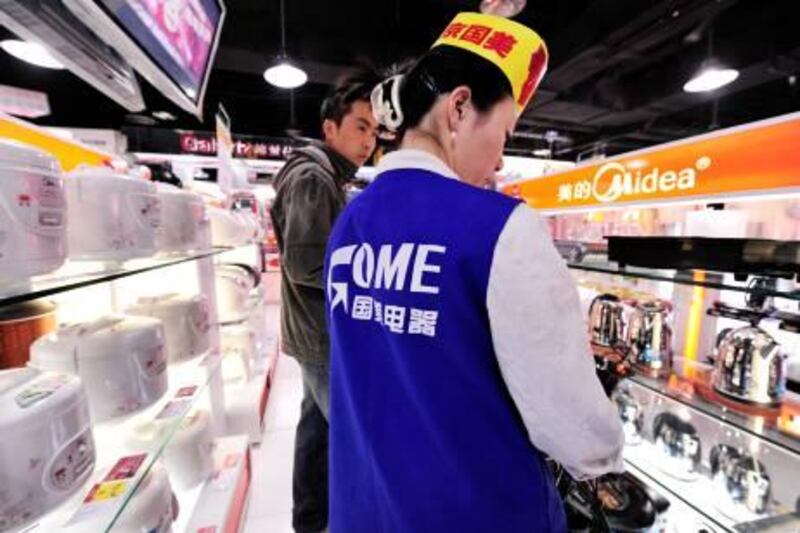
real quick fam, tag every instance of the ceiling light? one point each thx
(164, 115)
(711, 76)
(502, 8)
(543, 152)
(285, 75)
(33, 53)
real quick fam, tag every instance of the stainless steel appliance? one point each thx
(649, 336)
(750, 367)
(680, 445)
(606, 321)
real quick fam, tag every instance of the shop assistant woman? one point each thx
(458, 351)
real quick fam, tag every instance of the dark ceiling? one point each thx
(617, 67)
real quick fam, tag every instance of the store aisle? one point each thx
(270, 508)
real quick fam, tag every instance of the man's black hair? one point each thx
(355, 87)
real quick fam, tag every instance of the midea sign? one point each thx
(615, 182)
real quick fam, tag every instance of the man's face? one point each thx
(355, 137)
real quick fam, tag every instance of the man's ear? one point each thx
(329, 129)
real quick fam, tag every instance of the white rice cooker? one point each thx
(33, 213)
(229, 228)
(189, 454)
(183, 220)
(234, 283)
(46, 450)
(116, 217)
(121, 360)
(238, 350)
(186, 322)
(151, 509)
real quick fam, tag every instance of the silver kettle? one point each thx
(678, 442)
(606, 321)
(750, 367)
(743, 477)
(649, 336)
(631, 415)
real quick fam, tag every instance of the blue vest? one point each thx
(424, 436)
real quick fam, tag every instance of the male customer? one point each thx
(310, 195)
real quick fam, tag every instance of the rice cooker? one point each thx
(233, 284)
(20, 325)
(184, 220)
(47, 450)
(188, 455)
(119, 216)
(121, 360)
(187, 329)
(151, 509)
(33, 213)
(229, 228)
(238, 350)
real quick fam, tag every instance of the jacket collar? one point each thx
(335, 163)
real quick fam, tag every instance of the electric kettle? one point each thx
(750, 367)
(649, 336)
(606, 321)
(631, 415)
(743, 478)
(679, 444)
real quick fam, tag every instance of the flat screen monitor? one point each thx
(172, 43)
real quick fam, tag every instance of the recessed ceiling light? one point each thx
(164, 115)
(33, 53)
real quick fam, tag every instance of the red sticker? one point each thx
(231, 460)
(126, 467)
(186, 391)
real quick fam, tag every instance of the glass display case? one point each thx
(136, 446)
(727, 455)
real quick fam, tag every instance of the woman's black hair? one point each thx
(443, 69)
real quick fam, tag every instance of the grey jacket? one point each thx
(310, 195)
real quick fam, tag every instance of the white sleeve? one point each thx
(542, 348)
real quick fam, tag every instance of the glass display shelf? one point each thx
(667, 464)
(696, 395)
(698, 278)
(78, 274)
(680, 501)
(139, 439)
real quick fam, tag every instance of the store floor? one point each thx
(270, 507)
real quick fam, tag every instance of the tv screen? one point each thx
(177, 35)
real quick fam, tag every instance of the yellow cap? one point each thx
(518, 50)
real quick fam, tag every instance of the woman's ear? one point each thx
(458, 102)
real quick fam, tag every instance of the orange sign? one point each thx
(752, 159)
